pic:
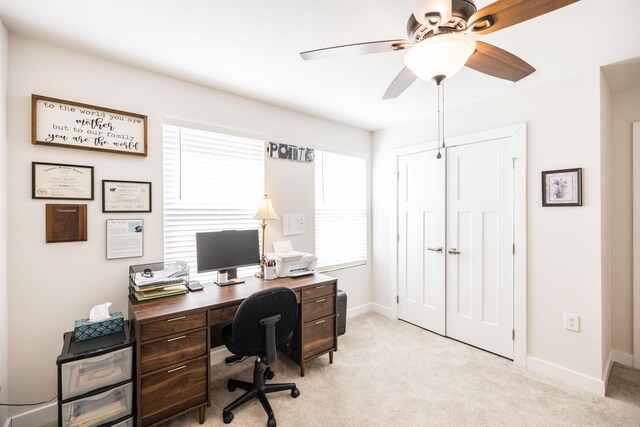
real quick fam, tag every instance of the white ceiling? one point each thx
(251, 47)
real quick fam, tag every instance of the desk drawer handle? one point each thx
(321, 300)
(176, 369)
(320, 287)
(176, 338)
(321, 321)
(177, 318)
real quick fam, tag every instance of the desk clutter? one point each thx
(158, 280)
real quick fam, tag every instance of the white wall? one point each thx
(605, 220)
(625, 109)
(51, 285)
(564, 252)
(4, 306)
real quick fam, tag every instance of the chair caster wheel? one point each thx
(295, 393)
(231, 387)
(268, 374)
(227, 417)
(271, 422)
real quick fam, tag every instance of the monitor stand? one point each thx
(228, 277)
(229, 282)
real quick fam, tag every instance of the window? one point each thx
(341, 213)
(212, 181)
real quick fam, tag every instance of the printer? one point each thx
(290, 263)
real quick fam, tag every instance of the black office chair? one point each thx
(264, 322)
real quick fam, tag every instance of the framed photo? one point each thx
(562, 187)
(126, 196)
(62, 182)
(125, 238)
(70, 124)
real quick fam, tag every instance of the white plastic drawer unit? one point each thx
(126, 423)
(93, 373)
(98, 409)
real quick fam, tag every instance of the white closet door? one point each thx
(479, 290)
(421, 226)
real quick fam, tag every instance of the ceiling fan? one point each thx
(440, 40)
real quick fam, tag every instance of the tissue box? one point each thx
(86, 330)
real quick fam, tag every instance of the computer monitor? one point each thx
(225, 251)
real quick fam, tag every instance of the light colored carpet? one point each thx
(390, 373)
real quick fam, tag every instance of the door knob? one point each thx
(454, 251)
(438, 249)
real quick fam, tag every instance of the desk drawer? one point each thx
(173, 325)
(223, 316)
(318, 336)
(172, 350)
(314, 292)
(322, 307)
(173, 390)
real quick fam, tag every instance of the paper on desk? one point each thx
(282, 246)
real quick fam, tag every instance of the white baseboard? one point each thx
(357, 311)
(46, 415)
(621, 357)
(567, 376)
(385, 311)
(218, 354)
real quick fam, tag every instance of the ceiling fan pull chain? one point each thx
(440, 83)
(443, 133)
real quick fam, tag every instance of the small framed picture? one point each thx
(125, 238)
(126, 196)
(562, 187)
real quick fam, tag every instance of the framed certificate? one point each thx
(62, 182)
(126, 196)
(124, 238)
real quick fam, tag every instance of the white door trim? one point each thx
(519, 134)
(636, 244)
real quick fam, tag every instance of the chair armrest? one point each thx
(270, 335)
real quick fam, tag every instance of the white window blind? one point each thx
(212, 182)
(341, 210)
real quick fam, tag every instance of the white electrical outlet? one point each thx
(572, 322)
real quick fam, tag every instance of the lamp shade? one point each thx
(440, 55)
(265, 209)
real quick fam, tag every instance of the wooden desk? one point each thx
(174, 336)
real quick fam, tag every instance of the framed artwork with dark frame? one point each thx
(562, 187)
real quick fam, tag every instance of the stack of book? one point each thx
(161, 283)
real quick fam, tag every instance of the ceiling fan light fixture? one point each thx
(440, 55)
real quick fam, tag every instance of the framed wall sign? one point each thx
(562, 187)
(126, 196)
(66, 223)
(63, 182)
(74, 125)
(125, 238)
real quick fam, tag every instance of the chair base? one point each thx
(257, 390)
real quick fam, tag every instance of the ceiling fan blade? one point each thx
(402, 81)
(505, 13)
(435, 8)
(356, 49)
(492, 60)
